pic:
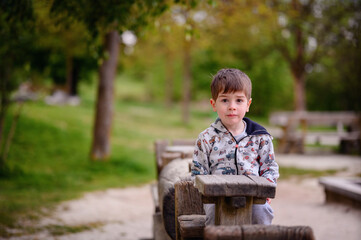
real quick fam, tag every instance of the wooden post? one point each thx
(228, 213)
(189, 213)
(159, 147)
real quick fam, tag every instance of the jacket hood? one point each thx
(253, 128)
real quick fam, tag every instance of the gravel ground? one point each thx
(126, 214)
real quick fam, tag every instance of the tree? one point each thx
(16, 26)
(187, 61)
(106, 19)
(62, 44)
(237, 36)
(338, 70)
(304, 32)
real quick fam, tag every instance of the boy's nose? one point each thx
(232, 106)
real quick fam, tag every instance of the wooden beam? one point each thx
(188, 201)
(191, 226)
(258, 232)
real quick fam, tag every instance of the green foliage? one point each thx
(104, 16)
(16, 26)
(338, 71)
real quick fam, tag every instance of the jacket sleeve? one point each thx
(268, 166)
(200, 165)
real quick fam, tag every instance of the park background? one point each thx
(88, 86)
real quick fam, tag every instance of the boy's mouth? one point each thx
(232, 115)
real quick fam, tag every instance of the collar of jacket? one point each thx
(253, 128)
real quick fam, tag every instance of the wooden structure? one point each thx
(166, 152)
(234, 196)
(179, 212)
(342, 190)
(189, 213)
(295, 127)
(258, 232)
(173, 167)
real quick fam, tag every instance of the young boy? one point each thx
(234, 144)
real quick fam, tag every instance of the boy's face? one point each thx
(231, 108)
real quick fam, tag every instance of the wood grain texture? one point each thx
(191, 226)
(235, 185)
(188, 202)
(258, 232)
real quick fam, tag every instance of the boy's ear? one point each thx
(213, 103)
(249, 104)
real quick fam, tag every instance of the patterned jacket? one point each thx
(218, 152)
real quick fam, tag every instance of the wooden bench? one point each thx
(295, 127)
(342, 190)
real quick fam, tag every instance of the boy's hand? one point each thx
(268, 200)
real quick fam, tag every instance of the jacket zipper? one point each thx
(236, 150)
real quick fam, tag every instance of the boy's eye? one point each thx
(224, 100)
(239, 100)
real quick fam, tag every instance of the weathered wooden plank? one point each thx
(223, 233)
(258, 232)
(275, 232)
(265, 188)
(234, 185)
(191, 226)
(188, 201)
(185, 151)
(159, 147)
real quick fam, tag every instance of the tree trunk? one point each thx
(169, 79)
(298, 68)
(299, 90)
(4, 103)
(187, 79)
(69, 73)
(104, 107)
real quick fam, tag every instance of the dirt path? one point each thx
(127, 213)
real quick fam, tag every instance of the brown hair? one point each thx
(230, 80)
